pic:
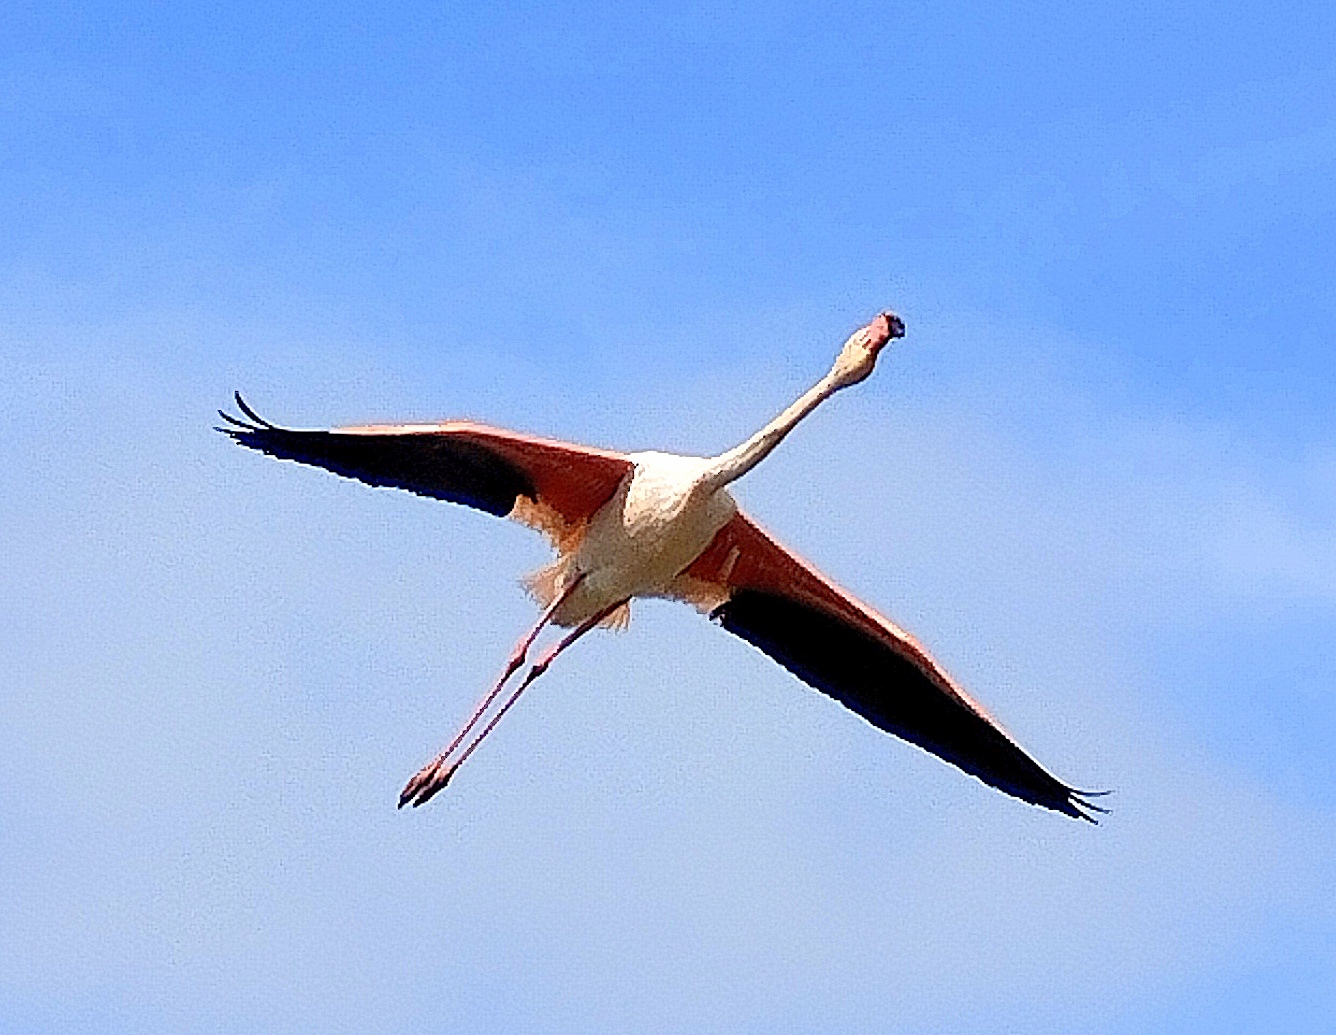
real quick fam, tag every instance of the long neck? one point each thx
(730, 466)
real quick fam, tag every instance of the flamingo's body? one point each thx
(661, 525)
(659, 520)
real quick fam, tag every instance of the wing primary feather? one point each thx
(236, 421)
(1079, 802)
(252, 414)
(1081, 799)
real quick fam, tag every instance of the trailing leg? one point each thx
(517, 658)
(421, 793)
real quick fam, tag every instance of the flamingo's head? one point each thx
(859, 355)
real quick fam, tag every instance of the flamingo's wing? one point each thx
(774, 600)
(553, 486)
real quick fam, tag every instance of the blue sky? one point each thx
(1098, 478)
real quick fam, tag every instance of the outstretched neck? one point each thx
(730, 466)
(853, 364)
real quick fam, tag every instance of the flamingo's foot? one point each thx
(430, 779)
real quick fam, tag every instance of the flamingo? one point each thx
(657, 524)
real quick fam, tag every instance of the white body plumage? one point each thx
(661, 518)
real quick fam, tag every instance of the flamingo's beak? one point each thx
(883, 329)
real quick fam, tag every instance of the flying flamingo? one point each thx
(660, 525)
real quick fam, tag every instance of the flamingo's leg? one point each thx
(517, 658)
(421, 792)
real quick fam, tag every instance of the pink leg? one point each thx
(439, 778)
(517, 656)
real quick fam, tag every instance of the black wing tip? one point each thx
(240, 429)
(245, 408)
(1079, 806)
(236, 422)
